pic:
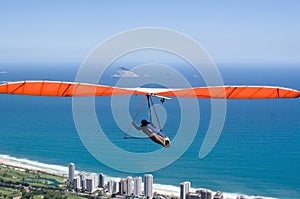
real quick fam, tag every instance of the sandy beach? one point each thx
(24, 166)
(163, 189)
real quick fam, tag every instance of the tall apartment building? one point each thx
(90, 184)
(71, 171)
(82, 176)
(137, 186)
(112, 186)
(122, 186)
(101, 180)
(76, 182)
(128, 186)
(184, 189)
(148, 185)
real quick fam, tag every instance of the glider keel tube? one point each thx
(63, 89)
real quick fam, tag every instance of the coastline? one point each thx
(57, 170)
(23, 166)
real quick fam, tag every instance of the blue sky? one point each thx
(231, 31)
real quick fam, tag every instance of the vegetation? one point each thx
(16, 182)
(32, 178)
(9, 192)
(47, 194)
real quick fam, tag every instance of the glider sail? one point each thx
(234, 92)
(63, 89)
(69, 89)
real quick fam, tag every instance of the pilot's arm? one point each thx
(153, 125)
(135, 126)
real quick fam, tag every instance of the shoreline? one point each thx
(169, 190)
(9, 161)
(22, 166)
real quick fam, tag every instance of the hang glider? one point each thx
(69, 89)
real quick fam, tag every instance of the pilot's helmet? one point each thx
(144, 122)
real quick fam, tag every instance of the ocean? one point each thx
(258, 152)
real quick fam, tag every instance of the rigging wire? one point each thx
(126, 135)
(150, 104)
(154, 110)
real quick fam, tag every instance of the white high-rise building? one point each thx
(148, 185)
(184, 189)
(82, 176)
(128, 186)
(122, 186)
(90, 184)
(112, 186)
(137, 186)
(109, 186)
(76, 182)
(71, 171)
(96, 180)
(101, 180)
(115, 187)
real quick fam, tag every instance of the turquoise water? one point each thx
(258, 152)
(52, 182)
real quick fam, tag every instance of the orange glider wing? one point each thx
(233, 92)
(69, 89)
(65, 89)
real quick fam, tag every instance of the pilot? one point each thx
(155, 134)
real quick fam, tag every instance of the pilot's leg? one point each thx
(157, 139)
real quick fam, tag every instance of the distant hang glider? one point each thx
(69, 89)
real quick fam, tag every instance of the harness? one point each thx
(150, 104)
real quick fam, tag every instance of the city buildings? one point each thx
(101, 180)
(115, 187)
(82, 176)
(205, 193)
(133, 186)
(112, 186)
(90, 184)
(96, 178)
(218, 195)
(192, 195)
(148, 185)
(200, 193)
(137, 186)
(109, 186)
(184, 189)
(71, 172)
(77, 182)
(122, 186)
(128, 186)
(82, 181)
